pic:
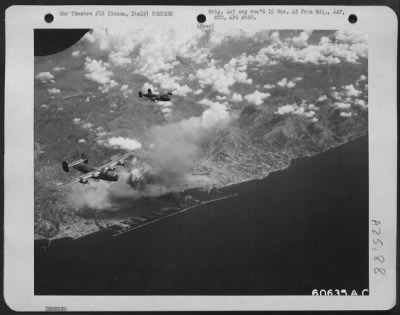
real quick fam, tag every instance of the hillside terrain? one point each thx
(243, 105)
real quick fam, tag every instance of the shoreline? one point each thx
(201, 188)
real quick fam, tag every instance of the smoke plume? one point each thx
(175, 148)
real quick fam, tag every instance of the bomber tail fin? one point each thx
(65, 166)
(84, 158)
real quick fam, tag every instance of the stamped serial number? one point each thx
(330, 292)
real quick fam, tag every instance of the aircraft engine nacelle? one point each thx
(121, 163)
(107, 169)
(83, 181)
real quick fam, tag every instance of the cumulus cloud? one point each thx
(236, 97)
(76, 53)
(126, 91)
(322, 98)
(146, 86)
(169, 82)
(76, 120)
(362, 103)
(288, 83)
(148, 51)
(269, 86)
(87, 125)
(295, 109)
(256, 97)
(124, 87)
(342, 46)
(98, 71)
(363, 78)
(289, 108)
(346, 114)
(342, 105)
(118, 58)
(351, 91)
(44, 76)
(282, 82)
(58, 69)
(222, 78)
(53, 91)
(123, 143)
(312, 106)
(302, 39)
(309, 114)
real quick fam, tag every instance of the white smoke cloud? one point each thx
(174, 148)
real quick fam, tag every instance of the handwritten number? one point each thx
(377, 232)
(380, 258)
(381, 271)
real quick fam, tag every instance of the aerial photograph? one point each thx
(182, 161)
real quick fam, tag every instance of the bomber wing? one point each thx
(110, 166)
(84, 178)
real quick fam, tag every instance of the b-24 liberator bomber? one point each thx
(104, 172)
(164, 97)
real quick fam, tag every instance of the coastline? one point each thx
(316, 211)
(87, 227)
